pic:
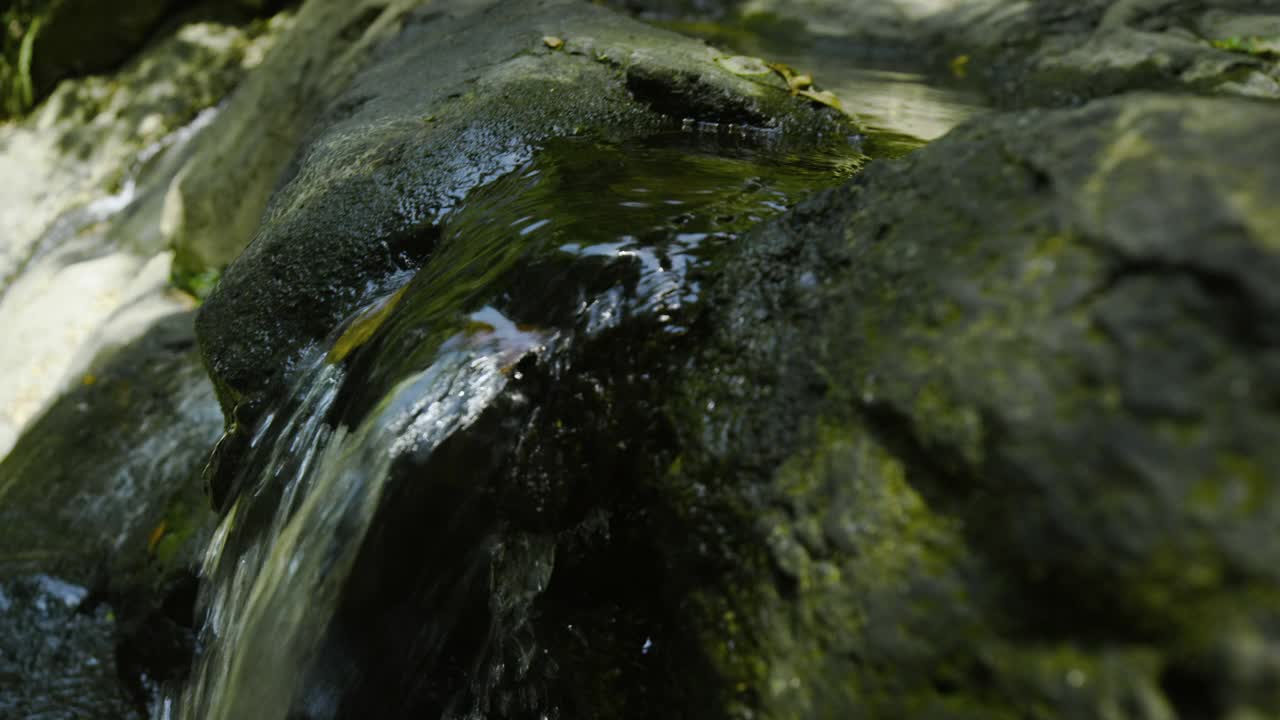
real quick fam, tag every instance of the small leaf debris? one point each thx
(743, 65)
(802, 84)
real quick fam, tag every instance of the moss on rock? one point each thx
(1006, 412)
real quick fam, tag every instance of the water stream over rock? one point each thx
(589, 249)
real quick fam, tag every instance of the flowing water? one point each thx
(584, 241)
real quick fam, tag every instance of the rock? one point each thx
(1060, 53)
(986, 433)
(458, 99)
(1021, 391)
(216, 203)
(102, 497)
(57, 655)
(67, 512)
(1036, 53)
(83, 181)
(94, 134)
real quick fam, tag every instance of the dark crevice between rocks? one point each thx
(354, 29)
(684, 95)
(1194, 690)
(1226, 302)
(156, 640)
(939, 473)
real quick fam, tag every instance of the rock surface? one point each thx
(83, 184)
(102, 501)
(1021, 388)
(57, 656)
(1053, 52)
(985, 433)
(988, 432)
(216, 202)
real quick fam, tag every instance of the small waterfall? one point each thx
(329, 483)
(572, 246)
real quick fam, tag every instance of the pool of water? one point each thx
(893, 94)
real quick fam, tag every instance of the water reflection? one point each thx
(894, 101)
(891, 93)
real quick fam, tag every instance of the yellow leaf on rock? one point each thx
(156, 536)
(826, 97)
(800, 82)
(553, 42)
(363, 327)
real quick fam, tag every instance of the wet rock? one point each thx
(458, 99)
(140, 423)
(57, 655)
(103, 493)
(990, 429)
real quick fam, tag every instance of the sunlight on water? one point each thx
(275, 590)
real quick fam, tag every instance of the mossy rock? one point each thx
(1020, 390)
(102, 498)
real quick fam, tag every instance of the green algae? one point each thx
(19, 26)
(1267, 48)
(197, 285)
